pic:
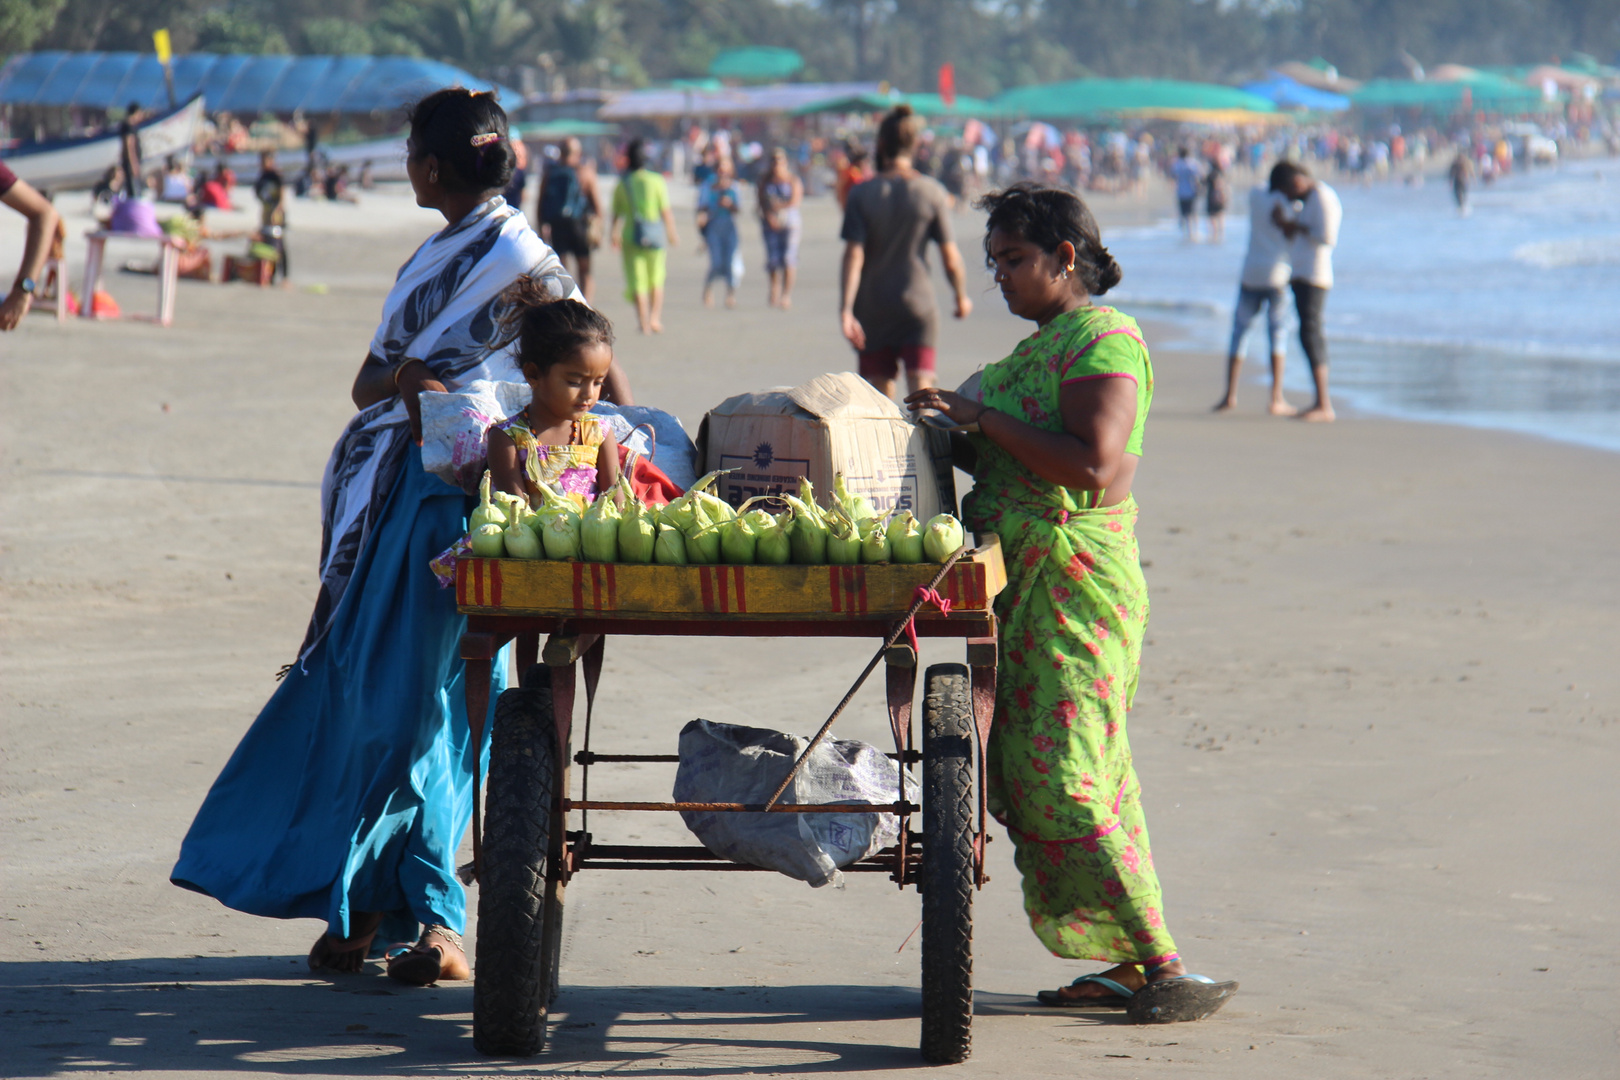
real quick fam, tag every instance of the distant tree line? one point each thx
(993, 44)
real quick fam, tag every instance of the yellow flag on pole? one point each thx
(160, 41)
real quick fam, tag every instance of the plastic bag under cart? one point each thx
(731, 763)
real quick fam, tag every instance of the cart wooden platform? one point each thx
(525, 849)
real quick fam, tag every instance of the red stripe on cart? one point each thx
(953, 591)
(579, 587)
(835, 590)
(461, 583)
(613, 588)
(706, 577)
(495, 584)
(721, 589)
(478, 582)
(742, 593)
(859, 574)
(596, 586)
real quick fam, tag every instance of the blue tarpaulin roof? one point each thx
(240, 84)
(1292, 94)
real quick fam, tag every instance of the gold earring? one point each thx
(433, 177)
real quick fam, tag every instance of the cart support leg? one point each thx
(901, 676)
(478, 651)
(982, 664)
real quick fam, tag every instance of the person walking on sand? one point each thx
(1217, 193)
(1311, 238)
(641, 201)
(348, 797)
(42, 225)
(780, 193)
(887, 308)
(719, 201)
(1057, 436)
(1264, 283)
(568, 202)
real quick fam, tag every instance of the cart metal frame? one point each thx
(574, 645)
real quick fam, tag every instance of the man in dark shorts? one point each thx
(129, 152)
(567, 204)
(887, 300)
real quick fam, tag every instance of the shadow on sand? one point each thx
(267, 1014)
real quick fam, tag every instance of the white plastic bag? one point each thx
(731, 763)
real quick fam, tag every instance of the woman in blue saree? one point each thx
(348, 797)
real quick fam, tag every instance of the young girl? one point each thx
(565, 349)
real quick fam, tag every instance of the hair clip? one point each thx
(486, 138)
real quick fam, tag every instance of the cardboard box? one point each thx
(833, 423)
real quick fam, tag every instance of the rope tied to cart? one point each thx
(924, 594)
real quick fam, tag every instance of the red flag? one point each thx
(947, 84)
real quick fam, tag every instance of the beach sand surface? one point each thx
(1377, 729)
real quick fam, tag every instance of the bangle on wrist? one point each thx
(399, 369)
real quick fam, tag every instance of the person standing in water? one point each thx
(1312, 236)
(887, 309)
(1264, 283)
(1189, 178)
(1462, 174)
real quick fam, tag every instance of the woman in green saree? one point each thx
(1058, 441)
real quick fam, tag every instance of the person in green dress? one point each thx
(1058, 439)
(641, 201)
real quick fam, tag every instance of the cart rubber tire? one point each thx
(947, 871)
(519, 891)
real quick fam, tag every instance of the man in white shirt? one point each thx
(1264, 282)
(1312, 235)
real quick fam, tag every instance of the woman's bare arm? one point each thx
(377, 381)
(1087, 455)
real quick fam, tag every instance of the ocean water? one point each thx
(1507, 317)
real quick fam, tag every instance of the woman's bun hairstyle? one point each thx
(1048, 217)
(897, 134)
(635, 155)
(467, 131)
(546, 327)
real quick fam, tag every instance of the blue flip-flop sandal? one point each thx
(1120, 998)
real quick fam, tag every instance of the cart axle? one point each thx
(901, 807)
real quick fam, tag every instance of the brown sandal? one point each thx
(348, 955)
(426, 963)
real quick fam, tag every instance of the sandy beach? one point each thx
(1377, 730)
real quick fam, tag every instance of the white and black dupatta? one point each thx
(442, 310)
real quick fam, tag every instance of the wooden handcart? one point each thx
(525, 849)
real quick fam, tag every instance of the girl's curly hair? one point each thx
(545, 327)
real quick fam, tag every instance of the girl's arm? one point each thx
(607, 463)
(1086, 455)
(505, 473)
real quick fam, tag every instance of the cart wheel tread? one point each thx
(947, 872)
(519, 903)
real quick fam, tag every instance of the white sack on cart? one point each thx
(455, 430)
(731, 763)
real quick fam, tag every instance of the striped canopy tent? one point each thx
(1169, 99)
(229, 83)
(1477, 91)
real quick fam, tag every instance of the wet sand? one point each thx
(1377, 727)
